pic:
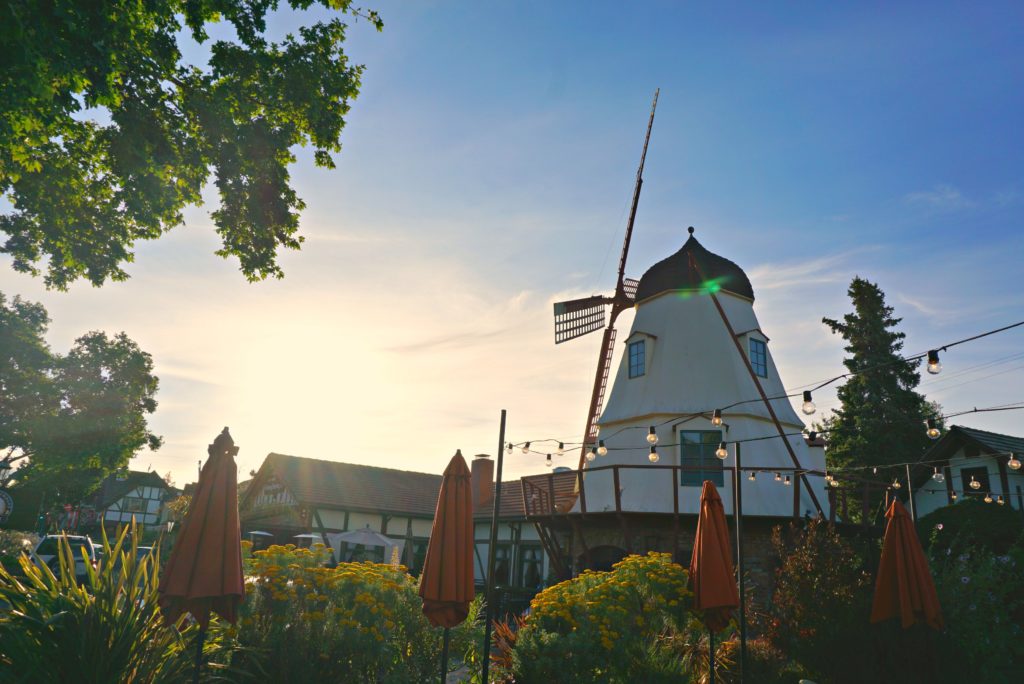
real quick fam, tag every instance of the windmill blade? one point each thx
(629, 286)
(578, 317)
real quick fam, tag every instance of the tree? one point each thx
(72, 419)
(882, 417)
(107, 133)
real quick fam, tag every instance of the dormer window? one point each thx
(759, 357)
(637, 358)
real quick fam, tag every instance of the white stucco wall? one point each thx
(693, 366)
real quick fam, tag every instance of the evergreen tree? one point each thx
(882, 417)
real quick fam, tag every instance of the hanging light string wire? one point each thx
(799, 391)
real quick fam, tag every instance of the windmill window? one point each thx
(637, 359)
(697, 448)
(759, 357)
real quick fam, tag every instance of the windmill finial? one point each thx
(690, 230)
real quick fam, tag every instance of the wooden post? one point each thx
(583, 493)
(796, 496)
(675, 514)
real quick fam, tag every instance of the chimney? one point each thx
(483, 480)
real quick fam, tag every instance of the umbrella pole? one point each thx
(711, 656)
(199, 654)
(444, 658)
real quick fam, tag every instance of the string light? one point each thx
(590, 454)
(808, 406)
(778, 477)
(999, 500)
(561, 449)
(812, 436)
(721, 452)
(1013, 463)
(974, 484)
(752, 476)
(602, 450)
(716, 417)
(933, 430)
(508, 449)
(652, 436)
(896, 483)
(988, 497)
(938, 476)
(526, 448)
(953, 497)
(548, 462)
(653, 456)
(787, 482)
(934, 367)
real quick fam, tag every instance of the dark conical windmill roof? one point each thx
(678, 273)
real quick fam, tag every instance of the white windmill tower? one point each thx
(698, 371)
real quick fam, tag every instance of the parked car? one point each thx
(46, 553)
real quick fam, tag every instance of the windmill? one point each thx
(579, 317)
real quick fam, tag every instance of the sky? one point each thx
(486, 172)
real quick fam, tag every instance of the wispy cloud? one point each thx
(942, 197)
(825, 269)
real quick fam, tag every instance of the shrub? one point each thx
(618, 626)
(971, 524)
(12, 544)
(357, 622)
(106, 629)
(822, 603)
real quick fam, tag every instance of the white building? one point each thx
(679, 365)
(964, 454)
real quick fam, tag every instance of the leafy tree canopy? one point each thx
(73, 419)
(106, 133)
(882, 416)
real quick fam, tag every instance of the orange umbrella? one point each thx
(904, 585)
(711, 570)
(446, 583)
(204, 571)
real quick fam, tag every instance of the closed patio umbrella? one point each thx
(204, 572)
(446, 583)
(904, 586)
(711, 570)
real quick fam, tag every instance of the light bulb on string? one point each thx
(602, 450)
(716, 417)
(526, 448)
(938, 476)
(787, 482)
(778, 477)
(752, 476)
(508, 449)
(590, 454)
(933, 431)
(561, 449)
(721, 452)
(812, 436)
(988, 498)
(808, 406)
(652, 436)
(934, 367)
(653, 456)
(548, 461)
(953, 496)
(999, 500)
(974, 484)
(1013, 463)
(896, 484)
(874, 471)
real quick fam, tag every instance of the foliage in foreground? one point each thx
(106, 629)
(357, 622)
(631, 624)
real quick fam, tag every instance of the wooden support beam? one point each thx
(675, 515)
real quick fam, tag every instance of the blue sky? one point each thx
(486, 171)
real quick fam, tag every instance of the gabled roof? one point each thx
(512, 504)
(113, 488)
(314, 482)
(957, 437)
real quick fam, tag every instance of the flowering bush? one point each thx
(606, 626)
(358, 622)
